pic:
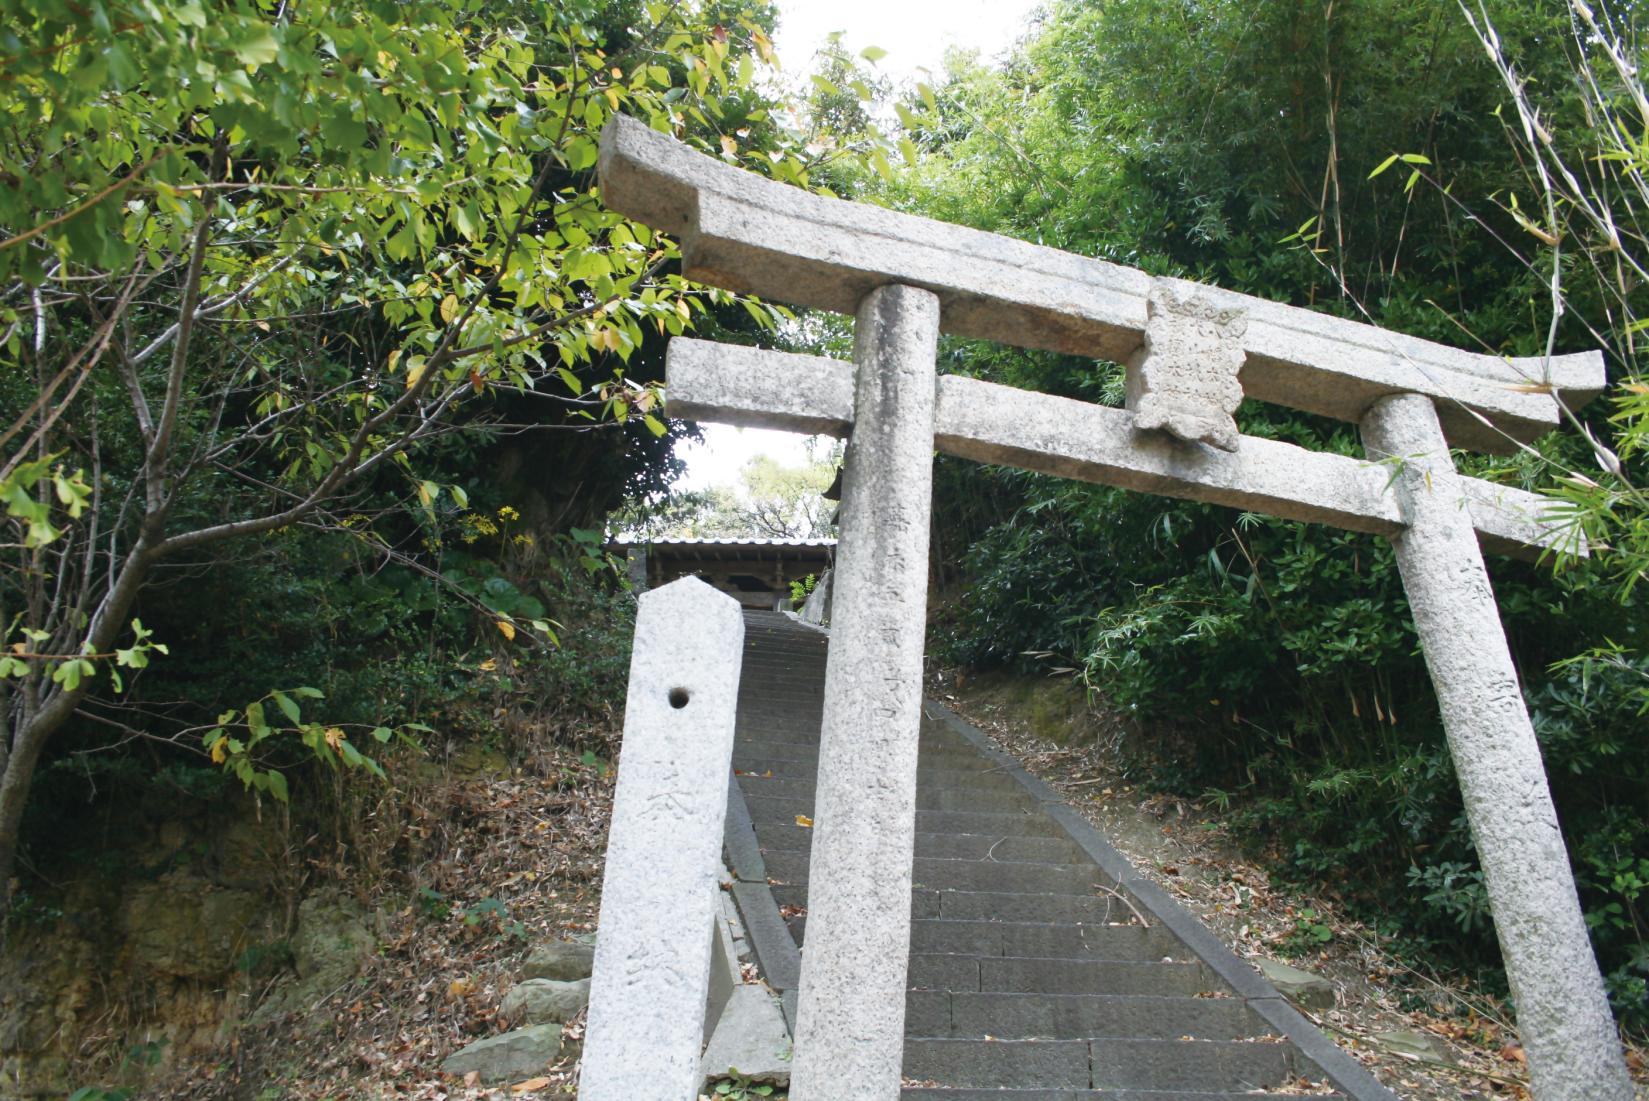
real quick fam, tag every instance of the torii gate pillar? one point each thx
(1562, 1012)
(850, 1027)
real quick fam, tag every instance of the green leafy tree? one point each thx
(258, 257)
(787, 502)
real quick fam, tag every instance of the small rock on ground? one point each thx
(563, 961)
(510, 1057)
(544, 1001)
(1300, 987)
(1421, 1045)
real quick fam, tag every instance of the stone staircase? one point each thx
(1041, 967)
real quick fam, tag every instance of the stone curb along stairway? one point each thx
(1032, 976)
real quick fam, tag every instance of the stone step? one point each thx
(985, 906)
(1005, 876)
(790, 868)
(797, 710)
(1001, 1064)
(1026, 822)
(927, 1013)
(994, 938)
(1190, 1064)
(941, 1094)
(793, 760)
(977, 801)
(985, 793)
(792, 776)
(765, 644)
(770, 678)
(1156, 1065)
(784, 735)
(998, 847)
(1080, 1016)
(1026, 939)
(972, 974)
(949, 846)
(792, 719)
(991, 906)
(777, 682)
(1022, 975)
(801, 761)
(988, 905)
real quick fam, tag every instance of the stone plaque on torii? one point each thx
(1192, 353)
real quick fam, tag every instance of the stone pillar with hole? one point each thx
(648, 992)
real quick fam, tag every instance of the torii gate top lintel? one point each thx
(749, 234)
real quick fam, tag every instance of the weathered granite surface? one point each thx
(851, 1012)
(1563, 1015)
(746, 233)
(652, 961)
(988, 422)
(1183, 378)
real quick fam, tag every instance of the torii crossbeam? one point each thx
(1192, 353)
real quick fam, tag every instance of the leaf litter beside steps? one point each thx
(508, 858)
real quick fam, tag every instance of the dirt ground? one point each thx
(514, 860)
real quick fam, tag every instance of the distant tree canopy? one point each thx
(773, 500)
(1366, 160)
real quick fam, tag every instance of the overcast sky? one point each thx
(915, 34)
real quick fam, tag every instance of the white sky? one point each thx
(915, 34)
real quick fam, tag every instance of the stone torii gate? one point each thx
(1192, 353)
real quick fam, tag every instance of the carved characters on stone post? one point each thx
(1183, 379)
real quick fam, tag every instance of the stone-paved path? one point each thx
(1032, 978)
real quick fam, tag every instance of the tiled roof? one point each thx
(628, 541)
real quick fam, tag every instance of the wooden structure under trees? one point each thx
(755, 572)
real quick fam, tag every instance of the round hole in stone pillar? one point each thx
(679, 698)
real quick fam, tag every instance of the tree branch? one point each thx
(46, 226)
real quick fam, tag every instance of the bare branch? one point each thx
(212, 308)
(83, 361)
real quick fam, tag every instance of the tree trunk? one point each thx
(14, 794)
(35, 728)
